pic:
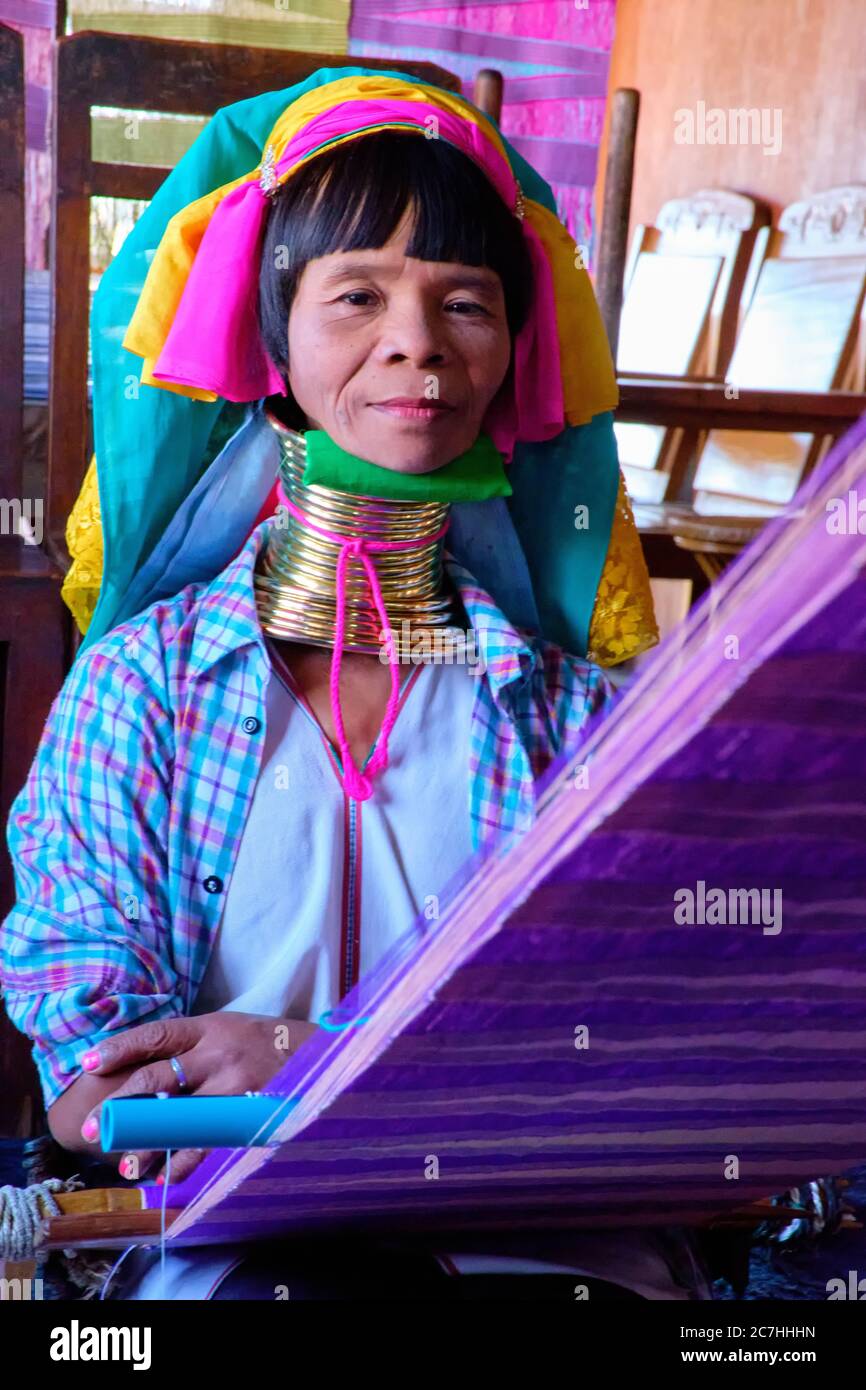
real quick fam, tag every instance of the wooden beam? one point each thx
(487, 93)
(707, 405)
(616, 212)
(194, 79)
(126, 180)
(107, 1230)
(103, 1216)
(100, 1200)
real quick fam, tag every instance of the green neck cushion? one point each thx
(471, 477)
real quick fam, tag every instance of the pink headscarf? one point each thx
(214, 342)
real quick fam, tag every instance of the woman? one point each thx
(430, 348)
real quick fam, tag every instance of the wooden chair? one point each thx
(803, 330)
(794, 383)
(683, 283)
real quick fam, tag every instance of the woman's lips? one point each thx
(421, 414)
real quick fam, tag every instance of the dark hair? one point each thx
(352, 198)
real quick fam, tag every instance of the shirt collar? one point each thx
(509, 655)
(227, 618)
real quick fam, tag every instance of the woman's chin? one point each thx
(419, 445)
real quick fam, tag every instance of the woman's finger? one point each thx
(162, 1037)
(183, 1162)
(146, 1081)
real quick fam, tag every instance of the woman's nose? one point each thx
(415, 333)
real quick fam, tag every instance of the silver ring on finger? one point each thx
(182, 1083)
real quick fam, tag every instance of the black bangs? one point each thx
(352, 198)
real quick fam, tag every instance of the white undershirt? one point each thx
(314, 868)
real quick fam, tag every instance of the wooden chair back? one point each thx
(802, 331)
(684, 279)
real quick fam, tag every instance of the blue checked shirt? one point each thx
(125, 834)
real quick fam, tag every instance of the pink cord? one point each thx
(358, 784)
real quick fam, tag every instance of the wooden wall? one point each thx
(801, 56)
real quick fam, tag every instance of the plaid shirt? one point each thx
(125, 834)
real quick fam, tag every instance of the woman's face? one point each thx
(370, 327)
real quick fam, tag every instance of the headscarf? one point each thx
(200, 349)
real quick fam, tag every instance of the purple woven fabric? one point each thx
(723, 1060)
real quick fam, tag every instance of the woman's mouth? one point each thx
(407, 408)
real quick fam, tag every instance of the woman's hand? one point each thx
(222, 1054)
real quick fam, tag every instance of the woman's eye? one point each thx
(463, 306)
(467, 304)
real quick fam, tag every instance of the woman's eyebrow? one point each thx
(464, 279)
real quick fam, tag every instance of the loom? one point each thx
(557, 1049)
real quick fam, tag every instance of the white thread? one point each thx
(22, 1216)
(162, 1220)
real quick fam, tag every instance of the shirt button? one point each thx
(251, 725)
(213, 884)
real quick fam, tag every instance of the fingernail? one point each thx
(90, 1128)
(90, 1061)
(125, 1167)
(160, 1179)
